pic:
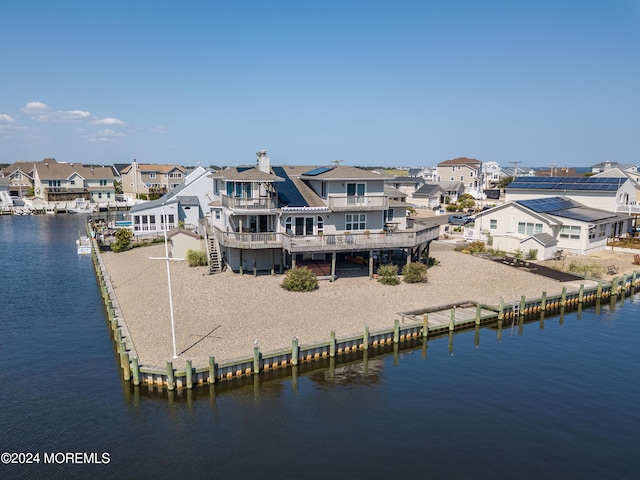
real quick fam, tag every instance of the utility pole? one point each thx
(515, 168)
(553, 169)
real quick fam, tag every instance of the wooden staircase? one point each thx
(216, 264)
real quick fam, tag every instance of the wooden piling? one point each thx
(581, 294)
(396, 331)
(523, 301)
(212, 369)
(599, 291)
(501, 310)
(171, 384)
(543, 302)
(452, 319)
(563, 298)
(425, 325)
(365, 338)
(332, 345)
(256, 358)
(126, 373)
(478, 313)
(189, 374)
(294, 351)
(136, 371)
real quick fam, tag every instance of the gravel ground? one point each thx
(224, 314)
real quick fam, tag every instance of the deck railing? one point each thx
(319, 243)
(240, 203)
(357, 202)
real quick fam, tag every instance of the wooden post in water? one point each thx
(396, 331)
(256, 358)
(523, 301)
(135, 366)
(127, 367)
(563, 297)
(212, 369)
(365, 338)
(332, 345)
(189, 374)
(581, 294)
(478, 313)
(171, 384)
(614, 287)
(452, 319)
(543, 302)
(624, 282)
(425, 325)
(599, 291)
(501, 310)
(294, 352)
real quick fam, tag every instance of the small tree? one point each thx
(196, 258)
(414, 272)
(388, 274)
(300, 279)
(123, 240)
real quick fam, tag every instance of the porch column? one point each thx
(333, 266)
(370, 264)
(293, 261)
(273, 262)
(241, 261)
(255, 263)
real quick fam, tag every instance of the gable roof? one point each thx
(50, 169)
(247, 174)
(428, 189)
(342, 172)
(471, 162)
(152, 168)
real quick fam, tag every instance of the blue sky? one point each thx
(388, 83)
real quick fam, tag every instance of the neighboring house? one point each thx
(426, 173)
(465, 170)
(58, 182)
(429, 195)
(20, 175)
(143, 179)
(524, 223)
(5, 196)
(452, 191)
(624, 171)
(263, 217)
(184, 205)
(614, 194)
(407, 185)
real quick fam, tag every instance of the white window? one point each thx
(462, 178)
(152, 175)
(570, 231)
(355, 221)
(493, 224)
(320, 224)
(217, 213)
(529, 228)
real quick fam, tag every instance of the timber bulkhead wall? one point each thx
(187, 375)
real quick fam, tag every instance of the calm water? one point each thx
(562, 401)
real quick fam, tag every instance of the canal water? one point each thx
(559, 399)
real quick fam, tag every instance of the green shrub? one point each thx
(476, 247)
(300, 279)
(414, 272)
(123, 240)
(532, 254)
(388, 274)
(196, 258)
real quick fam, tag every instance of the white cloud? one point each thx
(158, 129)
(108, 121)
(4, 118)
(106, 135)
(41, 112)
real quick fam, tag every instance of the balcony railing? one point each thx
(357, 202)
(251, 241)
(241, 203)
(629, 209)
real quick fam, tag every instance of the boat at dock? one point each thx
(83, 244)
(81, 205)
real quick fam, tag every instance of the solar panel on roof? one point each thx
(317, 171)
(287, 191)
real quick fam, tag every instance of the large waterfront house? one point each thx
(20, 178)
(144, 180)
(58, 182)
(548, 224)
(264, 218)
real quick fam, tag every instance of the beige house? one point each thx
(463, 169)
(181, 241)
(57, 182)
(143, 179)
(20, 178)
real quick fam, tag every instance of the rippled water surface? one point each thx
(558, 399)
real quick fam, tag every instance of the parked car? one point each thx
(459, 219)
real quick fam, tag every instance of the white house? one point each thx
(613, 194)
(576, 228)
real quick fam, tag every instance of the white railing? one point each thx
(357, 202)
